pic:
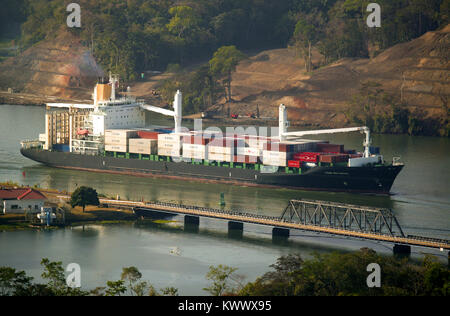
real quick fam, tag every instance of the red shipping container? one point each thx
(198, 140)
(148, 134)
(307, 157)
(275, 146)
(330, 148)
(294, 164)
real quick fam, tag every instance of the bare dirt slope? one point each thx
(59, 67)
(417, 71)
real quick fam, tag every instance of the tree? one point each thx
(83, 196)
(132, 275)
(115, 288)
(223, 63)
(56, 284)
(13, 282)
(221, 277)
(307, 33)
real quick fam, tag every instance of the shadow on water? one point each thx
(258, 238)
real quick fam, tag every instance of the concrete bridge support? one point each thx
(235, 229)
(191, 223)
(403, 250)
(280, 235)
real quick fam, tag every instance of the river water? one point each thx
(167, 255)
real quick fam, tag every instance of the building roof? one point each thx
(21, 194)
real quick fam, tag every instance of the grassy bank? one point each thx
(74, 216)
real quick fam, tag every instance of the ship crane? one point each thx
(284, 134)
(176, 113)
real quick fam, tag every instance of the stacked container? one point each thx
(117, 139)
(330, 148)
(144, 146)
(195, 147)
(224, 149)
(170, 144)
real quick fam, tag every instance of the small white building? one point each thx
(19, 201)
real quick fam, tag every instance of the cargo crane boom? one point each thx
(284, 134)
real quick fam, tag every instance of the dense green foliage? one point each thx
(346, 274)
(128, 37)
(83, 196)
(383, 113)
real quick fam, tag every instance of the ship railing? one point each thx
(28, 144)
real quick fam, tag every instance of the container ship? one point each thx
(111, 136)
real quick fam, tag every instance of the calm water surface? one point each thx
(420, 200)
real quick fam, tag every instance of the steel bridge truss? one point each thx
(343, 217)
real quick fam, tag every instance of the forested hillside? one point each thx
(317, 78)
(130, 36)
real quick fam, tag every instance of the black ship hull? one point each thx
(373, 179)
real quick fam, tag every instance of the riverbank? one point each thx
(74, 217)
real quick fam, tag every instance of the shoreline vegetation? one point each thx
(332, 274)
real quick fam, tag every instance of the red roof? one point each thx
(21, 194)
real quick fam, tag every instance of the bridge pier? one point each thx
(235, 230)
(403, 250)
(191, 223)
(280, 235)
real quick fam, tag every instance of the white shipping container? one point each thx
(169, 145)
(220, 150)
(139, 149)
(275, 162)
(249, 151)
(195, 154)
(123, 133)
(142, 142)
(116, 148)
(276, 155)
(114, 140)
(219, 157)
(172, 137)
(168, 152)
(197, 147)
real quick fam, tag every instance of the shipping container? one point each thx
(169, 152)
(116, 148)
(120, 133)
(245, 159)
(148, 134)
(116, 140)
(294, 163)
(221, 150)
(220, 157)
(249, 151)
(330, 148)
(199, 140)
(227, 142)
(334, 158)
(307, 157)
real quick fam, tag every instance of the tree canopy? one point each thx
(83, 196)
(128, 37)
